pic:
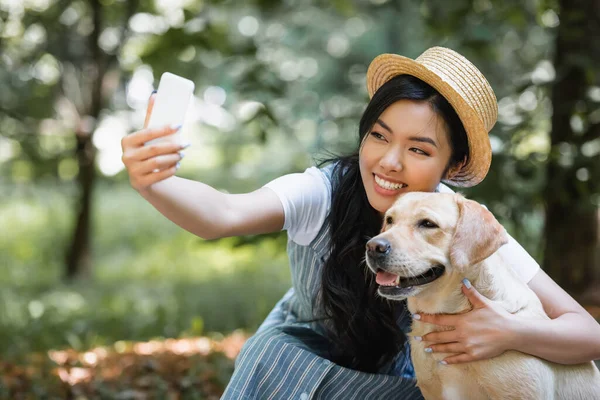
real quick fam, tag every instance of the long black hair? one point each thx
(363, 326)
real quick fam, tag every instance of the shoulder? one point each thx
(306, 200)
(441, 188)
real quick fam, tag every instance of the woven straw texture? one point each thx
(463, 85)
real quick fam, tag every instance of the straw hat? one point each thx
(463, 85)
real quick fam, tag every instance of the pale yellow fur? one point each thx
(512, 375)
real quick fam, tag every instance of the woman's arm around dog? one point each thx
(571, 336)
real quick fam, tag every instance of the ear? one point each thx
(478, 234)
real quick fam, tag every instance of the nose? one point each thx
(378, 247)
(391, 160)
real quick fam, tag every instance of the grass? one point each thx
(150, 279)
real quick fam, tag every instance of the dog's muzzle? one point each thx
(391, 283)
(378, 248)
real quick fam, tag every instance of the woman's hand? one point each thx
(147, 165)
(484, 332)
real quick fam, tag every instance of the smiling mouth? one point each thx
(388, 186)
(392, 284)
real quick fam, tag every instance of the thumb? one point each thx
(476, 299)
(149, 109)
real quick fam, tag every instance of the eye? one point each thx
(419, 151)
(427, 224)
(378, 135)
(389, 220)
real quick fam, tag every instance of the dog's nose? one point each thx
(378, 247)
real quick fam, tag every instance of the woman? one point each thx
(330, 336)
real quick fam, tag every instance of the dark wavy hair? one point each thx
(362, 326)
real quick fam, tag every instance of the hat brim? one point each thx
(386, 66)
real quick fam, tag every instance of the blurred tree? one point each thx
(571, 233)
(59, 69)
(66, 69)
(67, 66)
(92, 66)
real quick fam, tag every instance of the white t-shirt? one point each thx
(306, 199)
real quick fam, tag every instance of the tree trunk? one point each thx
(572, 247)
(79, 257)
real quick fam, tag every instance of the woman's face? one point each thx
(407, 150)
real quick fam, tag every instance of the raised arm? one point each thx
(194, 206)
(210, 214)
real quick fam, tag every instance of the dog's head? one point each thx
(427, 238)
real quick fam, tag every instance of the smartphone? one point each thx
(173, 98)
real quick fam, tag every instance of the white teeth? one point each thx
(388, 185)
(391, 284)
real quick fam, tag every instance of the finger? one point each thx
(441, 337)
(476, 298)
(154, 177)
(436, 319)
(153, 150)
(149, 109)
(446, 348)
(158, 163)
(459, 359)
(139, 138)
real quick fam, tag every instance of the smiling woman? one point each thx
(332, 335)
(409, 140)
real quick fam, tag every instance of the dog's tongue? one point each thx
(385, 278)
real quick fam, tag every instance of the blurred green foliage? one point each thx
(278, 83)
(150, 280)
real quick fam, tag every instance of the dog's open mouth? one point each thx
(393, 284)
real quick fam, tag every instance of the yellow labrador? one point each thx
(429, 243)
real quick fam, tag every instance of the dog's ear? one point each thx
(478, 234)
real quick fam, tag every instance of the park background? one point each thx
(103, 297)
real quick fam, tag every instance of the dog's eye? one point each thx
(425, 223)
(389, 220)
